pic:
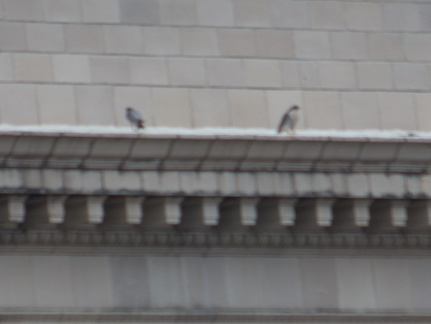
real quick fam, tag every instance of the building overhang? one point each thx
(214, 152)
(196, 190)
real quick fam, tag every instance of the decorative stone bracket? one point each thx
(218, 184)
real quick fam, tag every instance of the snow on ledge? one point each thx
(209, 131)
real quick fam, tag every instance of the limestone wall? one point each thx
(224, 63)
(215, 284)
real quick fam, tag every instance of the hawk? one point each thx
(134, 118)
(289, 119)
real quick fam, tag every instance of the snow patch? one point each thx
(210, 131)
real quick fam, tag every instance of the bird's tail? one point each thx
(140, 124)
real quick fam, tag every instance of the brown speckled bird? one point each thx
(289, 120)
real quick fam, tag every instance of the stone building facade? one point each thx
(238, 225)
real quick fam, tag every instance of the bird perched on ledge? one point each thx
(134, 118)
(289, 120)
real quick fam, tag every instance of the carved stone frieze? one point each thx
(214, 239)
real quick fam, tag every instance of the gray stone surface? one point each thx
(338, 47)
(284, 282)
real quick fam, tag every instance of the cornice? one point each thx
(214, 152)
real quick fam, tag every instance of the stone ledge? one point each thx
(214, 152)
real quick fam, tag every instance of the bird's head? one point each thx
(129, 109)
(295, 107)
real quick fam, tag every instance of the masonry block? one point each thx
(393, 105)
(309, 74)
(386, 46)
(237, 42)
(284, 185)
(337, 75)
(199, 183)
(210, 108)
(123, 39)
(215, 13)
(12, 36)
(45, 37)
(94, 105)
(165, 182)
(252, 13)
(225, 72)
(247, 108)
(326, 14)
(348, 45)
(148, 70)
(109, 70)
(23, 100)
(56, 105)
(410, 76)
(161, 41)
(83, 182)
(101, 11)
(392, 283)
(84, 38)
(23, 10)
(290, 74)
(139, 12)
(425, 11)
(360, 110)
(171, 107)
(121, 180)
(186, 71)
(355, 274)
(417, 46)
(62, 10)
(32, 179)
(386, 185)
(358, 185)
(312, 44)
(178, 12)
(374, 75)
(246, 183)
(364, 16)
(289, 14)
(32, 67)
(262, 73)
(265, 182)
(199, 42)
(228, 183)
(423, 100)
(71, 68)
(401, 17)
(6, 67)
(323, 110)
(52, 179)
